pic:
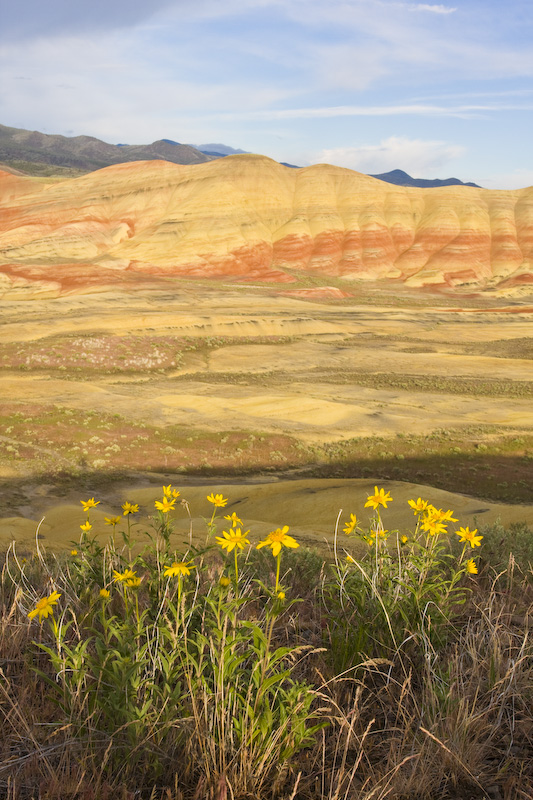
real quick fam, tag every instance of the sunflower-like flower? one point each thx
(130, 508)
(234, 519)
(466, 535)
(418, 506)
(112, 520)
(104, 593)
(90, 503)
(86, 526)
(218, 500)
(433, 526)
(127, 575)
(178, 568)
(350, 525)
(168, 491)
(45, 606)
(379, 498)
(233, 538)
(443, 516)
(134, 582)
(471, 566)
(278, 539)
(165, 505)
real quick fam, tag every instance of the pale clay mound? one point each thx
(262, 507)
(248, 217)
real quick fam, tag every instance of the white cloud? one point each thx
(415, 156)
(433, 9)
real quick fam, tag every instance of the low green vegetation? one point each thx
(75, 357)
(68, 444)
(481, 461)
(242, 668)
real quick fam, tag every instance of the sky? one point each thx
(436, 89)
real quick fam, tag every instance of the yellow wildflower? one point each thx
(233, 538)
(404, 539)
(224, 581)
(350, 559)
(166, 505)
(86, 526)
(218, 500)
(104, 593)
(379, 498)
(281, 595)
(418, 505)
(134, 583)
(130, 508)
(178, 568)
(168, 491)
(234, 519)
(349, 526)
(471, 566)
(45, 606)
(432, 526)
(466, 535)
(127, 575)
(73, 552)
(88, 504)
(278, 539)
(112, 520)
(443, 516)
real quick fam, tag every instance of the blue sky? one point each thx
(436, 89)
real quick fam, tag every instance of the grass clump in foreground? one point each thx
(399, 668)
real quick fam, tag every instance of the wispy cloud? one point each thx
(433, 9)
(462, 111)
(414, 156)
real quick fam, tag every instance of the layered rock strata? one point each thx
(249, 218)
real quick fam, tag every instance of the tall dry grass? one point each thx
(292, 678)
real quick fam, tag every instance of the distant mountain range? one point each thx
(400, 178)
(34, 153)
(218, 150)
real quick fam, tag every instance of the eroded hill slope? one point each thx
(250, 218)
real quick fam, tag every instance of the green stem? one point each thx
(278, 562)
(236, 570)
(137, 610)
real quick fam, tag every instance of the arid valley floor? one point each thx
(293, 408)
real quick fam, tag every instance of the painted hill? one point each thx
(246, 217)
